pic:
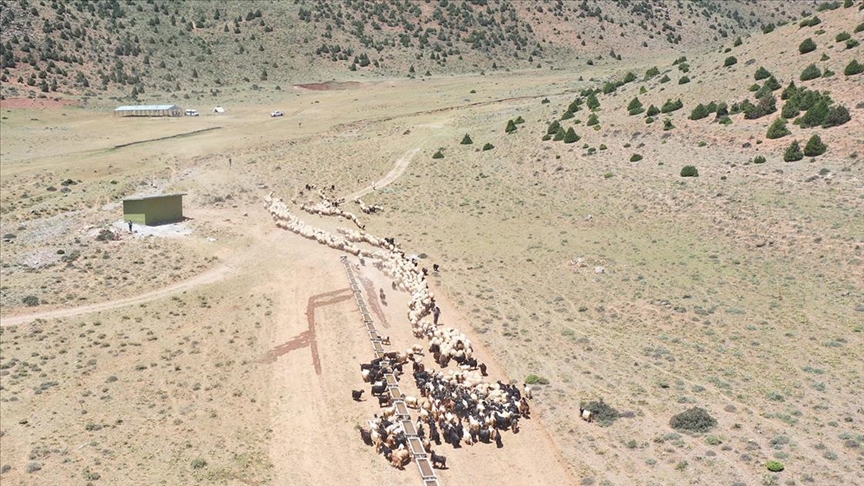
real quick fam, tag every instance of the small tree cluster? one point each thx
(635, 107)
(466, 140)
(602, 412)
(814, 147)
(571, 136)
(592, 102)
(438, 155)
(807, 45)
(592, 120)
(511, 126)
(761, 74)
(854, 67)
(635, 157)
(793, 153)
(488, 146)
(730, 61)
(810, 72)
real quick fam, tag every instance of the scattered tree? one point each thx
(730, 61)
(687, 171)
(488, 146)
(793, 153)
(837, 115)
(635, 157)
(854, 67)
(814, 147)
(810, 72)
(466, 140)
(438, 155)
(807, 46)
(571, 136)
(761, 74)
(511, 126)
(695, 419)
(777, 129)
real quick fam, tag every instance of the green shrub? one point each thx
(592, 102)
(774, 466)
(842, 36)
(654, 72)
(684, 80)
(601, 147)
(852, 43)
(667, 125)
(519, 120)
(811, 22)
(684, 67)
(725, 120)
(30, 301)
(695, 419)
(511, 126)
(488, 146)
(592, 120)
(837, 115)
(544, 101)
(635, 157)
(546, 137)
(635, 107)
(828, 6)
(559, 135)
(814, 147)
(553, 127)
(767, 29)
(789, 92)
(665, 79)
(649, 120)
(671, 106)
(737, 42)
(753, 87)
(700, 112)
(810, 72)
(567, 115)
(466, 140)
(721, 109)
(790, 109)
(807, 46)
(629, 77)
(759, 159)
(815, 116)
(761, 74)
(854, 67)
(773, 84)
(793, 153)
(777, 129)
(730, 61)
(571, 136)
(198, 463)
(652, 111)
(603, 413)
(536, 380)
(688, 171)
(438, 155)
(859, 28)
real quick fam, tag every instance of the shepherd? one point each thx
(436, 311)
(130, 226)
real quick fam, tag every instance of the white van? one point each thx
(191, 112)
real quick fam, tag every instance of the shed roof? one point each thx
(154, 197)
(145, 107)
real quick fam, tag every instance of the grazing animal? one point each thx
(412, 402)
(366, 435)
(356, 394)
(379, 388)
(524, 409)
(483, 369)
(587, 415)
(435, 267)
(399, 458)
(383, 400)
(438, 461)
(385, 340)
(382, 296)
(527, 390)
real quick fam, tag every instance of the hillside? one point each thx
(127, 49)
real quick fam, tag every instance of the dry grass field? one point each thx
(222, 350)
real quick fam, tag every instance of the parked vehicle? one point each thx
(276, 113)
(191, 112)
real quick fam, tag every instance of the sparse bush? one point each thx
(730, 61)
(511, 126)
(567, 115)
(671, 106)
(815, 116)
(684, 80)
(854, 67)
(774, 466)
(665, 78)
(837, 115)
(700, 112)
(635, 157)
(635, 107)
(767, 29)
(807, 46)
(859, 28)
(761, 74)
(33, 467)
(652, 111)
(842, 36)
(759, 159)
(570, 136)
(553, 127)
(777, 129)
(695, 419)
(488, 146)
(592, 102)
(30, 301)
(689, 171)
(667, 125)
(466, 140)
(651, 73)
(793, 153)
(198, 463)
(559, 135)
(536, 380)
(592, 120)
(438, 155)
(852, 43)
(519, 120)
(602, 412)
(810, 72)
(814, 147)
(105, 235)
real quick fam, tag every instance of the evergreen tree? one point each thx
(807, 46)
(778, 129)
(553, 127)
(592, 102)
(571, 136)
(511, 126)
(814, 147)
(559, 135)
(761, 74)
(700, 112)
(815, 116)
(652, 111)
(793, 153)
(466, 140)
(838, 115)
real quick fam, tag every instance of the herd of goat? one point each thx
(457, 407)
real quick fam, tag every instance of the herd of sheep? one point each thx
(459, 406)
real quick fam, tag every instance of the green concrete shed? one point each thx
(154, 210)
